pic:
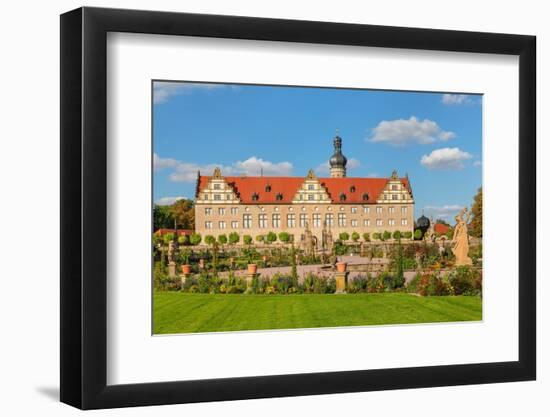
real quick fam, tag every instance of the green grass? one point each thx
(176, 312)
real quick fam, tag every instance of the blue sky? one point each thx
(436, 138)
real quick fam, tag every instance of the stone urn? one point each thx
(252, 268)
(186, 269)
(341, 266)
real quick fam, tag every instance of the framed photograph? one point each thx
(258, 208)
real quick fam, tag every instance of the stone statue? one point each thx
(309, 242)
(171, 250)
(429, 236)
(460, 243)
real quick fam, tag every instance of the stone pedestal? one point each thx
(249, 278)
(172, 269)
(341, 279)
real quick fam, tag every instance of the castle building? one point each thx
(259, 205)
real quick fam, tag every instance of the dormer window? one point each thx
(279, 197)
(268, 188)
(352, 189)
(366, 197)
(342, 197)
(255, 197)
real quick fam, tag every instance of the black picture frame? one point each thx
(84, 207)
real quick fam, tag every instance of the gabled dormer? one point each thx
(311, 191)
(396, 191)
(217, 191)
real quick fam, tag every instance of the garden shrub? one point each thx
(195, 238)
(386, 235)
(222, 239)
(247, 239)
(344, 236)
(358, 285)
(355, 236)
(465, 281)
(161, 280)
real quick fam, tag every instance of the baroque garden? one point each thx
(254, 253)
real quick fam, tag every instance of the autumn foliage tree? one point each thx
(476, 224)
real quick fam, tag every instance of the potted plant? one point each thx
(251, 266)
(341, 266)
(185, 267)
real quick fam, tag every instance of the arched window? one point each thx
(366, 197)
(279, 197)
(268, 188)
(352, 189)
(255, 197)
(342, 197)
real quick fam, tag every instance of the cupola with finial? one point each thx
(338, 161)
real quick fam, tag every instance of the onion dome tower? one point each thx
(338, 161)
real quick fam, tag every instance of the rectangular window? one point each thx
(404, 222)
(276, 220)
(379, 222)
(234, 224)
(395, 187)
(404, 210)
(205, 196)
(217, 197)
(353, 222)
(247, 221)
(208, 210)
(378, 210)
(366, 222)
(391, 210)
(291, 220)
(329, 219)
(366, 210)
(394, 196)
(316, 220)
(228, 196)
(311, 197)
(221, 210)
(341, 219)
(217, 186)
(311, 187)
(262, 221)
(221, 225)
(391, 222)
(303, 219)
(208, 225)
(354, 209)
(234, 210)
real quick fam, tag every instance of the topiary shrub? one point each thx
(222, 239)
(344, 236)
(234, 238)
(195, 238)
(247, 239)
(271, 237)
(366, 237)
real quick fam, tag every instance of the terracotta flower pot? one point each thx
(341, 266)
(186, 269)
(252, 268)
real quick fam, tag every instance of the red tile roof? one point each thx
(441, 228)
(245, 187)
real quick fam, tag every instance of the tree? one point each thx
(476, 224)
(222, 239)
(260, 238)
(386, 235)
(397, 235)
(183, 211)
(183, 240)
(344, 236)
(168, 237)
(247, 239)
(355, 236)
(162, 217)
(209, 240)
(399, 279)
(195, 238)
(418, 234)
(376, 236)
(407, 235)
(366, 237)
(284, 237)
(233, 238)
(271, 237)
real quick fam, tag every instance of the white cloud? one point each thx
(253, 166)
(324, 168)
(167, 201)
(162, 163)
(401, 132)
(257, 166)
(443, 212)
(163, 91)
(455, 99)
(445, 159)
(477, 163)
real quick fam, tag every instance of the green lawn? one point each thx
(176, 312)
